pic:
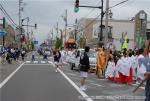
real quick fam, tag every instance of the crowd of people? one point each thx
(12, 54)
(123, 67)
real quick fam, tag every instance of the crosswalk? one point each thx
(36, 57)
(39, 62)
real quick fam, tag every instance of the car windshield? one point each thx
(92, 54)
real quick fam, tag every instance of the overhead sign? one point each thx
(35, 42)
(2, 33)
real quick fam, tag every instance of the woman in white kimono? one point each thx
(123, 67)
(110, 71)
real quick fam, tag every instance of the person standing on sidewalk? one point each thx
(84, 67)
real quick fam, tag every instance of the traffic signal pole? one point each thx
(102, 16)
(101, 26)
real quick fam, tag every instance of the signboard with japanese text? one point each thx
(140, 29)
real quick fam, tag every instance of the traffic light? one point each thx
(35, 26)
(4, 22)
(76, 9)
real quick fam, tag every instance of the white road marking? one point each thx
(35, 62)
(28, 61)
(43, 62)
(50, 62)
(10, 76)
(71, 74)
(87, 98)
(38, 64)
(97, 85)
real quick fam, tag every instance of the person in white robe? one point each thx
(110, 71)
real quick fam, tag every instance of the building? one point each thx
(10, 36)
(116, 29)
(85, 28)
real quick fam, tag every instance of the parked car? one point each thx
(75, 62)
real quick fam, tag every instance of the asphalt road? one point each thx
(38, 81)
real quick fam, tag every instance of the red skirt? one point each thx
(111, 78)
(121, 78)
(128, 79)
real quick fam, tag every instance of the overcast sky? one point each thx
(47, 12)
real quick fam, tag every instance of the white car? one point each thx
(92, 59)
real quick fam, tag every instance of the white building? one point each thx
(117, 28)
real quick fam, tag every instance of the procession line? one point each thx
(10, 76)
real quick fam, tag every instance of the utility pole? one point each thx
(101, 25)
(75, 30)
(28, 27)
(66, 24)
(52, 37)
(20, 25)
(57, 28)
(106, 23)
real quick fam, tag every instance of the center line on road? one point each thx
(76, 87)
(11, 75)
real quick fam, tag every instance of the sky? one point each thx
(46, 13)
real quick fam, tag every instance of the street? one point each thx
(38, 81)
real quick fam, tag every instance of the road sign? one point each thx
(35, 42)
(2, 33)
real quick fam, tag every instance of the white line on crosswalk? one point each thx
(35, 62)
(28, 61)
(50, 62)
(43, 62)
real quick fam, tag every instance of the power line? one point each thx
(118, 4)
(90, 11)
(100, 15)
(7, 15)
(4, 2)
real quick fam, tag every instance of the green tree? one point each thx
(58, 43)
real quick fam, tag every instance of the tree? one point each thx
(58, 43)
